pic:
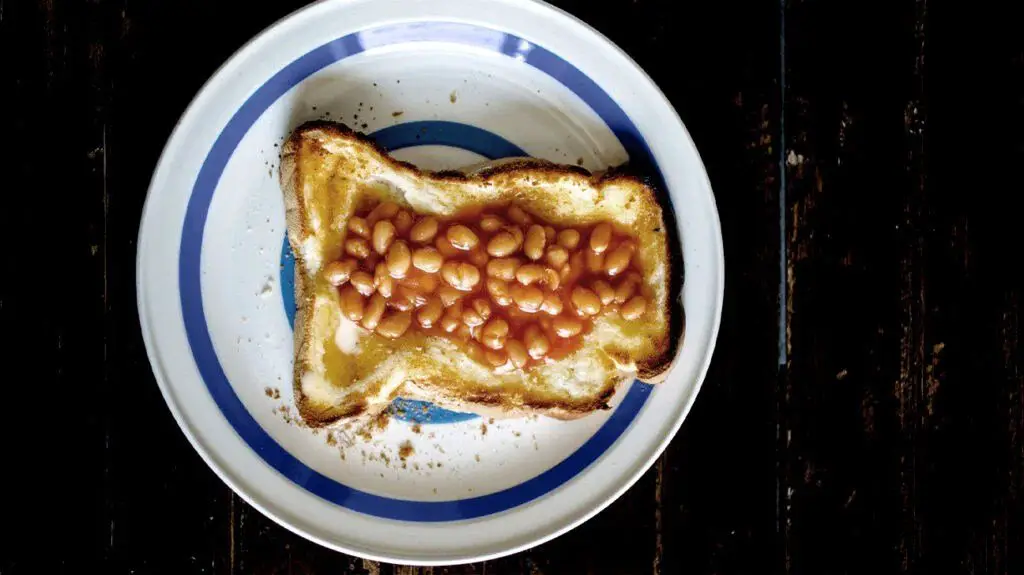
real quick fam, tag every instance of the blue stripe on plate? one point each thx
(191, 293)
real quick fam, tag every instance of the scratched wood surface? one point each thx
(863, 413)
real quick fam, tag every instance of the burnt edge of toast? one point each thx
(651, 370)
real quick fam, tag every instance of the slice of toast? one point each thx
(329, 172)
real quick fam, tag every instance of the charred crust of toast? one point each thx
(315, 419)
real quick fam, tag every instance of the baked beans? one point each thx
(504, 286)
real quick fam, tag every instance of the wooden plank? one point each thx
(850, 76)
(903, 396)
(51, 294)
(968, 462)
(717, 481)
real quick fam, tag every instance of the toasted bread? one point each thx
(342, 370)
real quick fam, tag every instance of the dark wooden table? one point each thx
(864, 410)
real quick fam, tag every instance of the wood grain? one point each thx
(865, 158)
(903, 385)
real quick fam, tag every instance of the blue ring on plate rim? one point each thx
(191, 291)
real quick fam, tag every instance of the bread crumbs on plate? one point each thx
(405, 450)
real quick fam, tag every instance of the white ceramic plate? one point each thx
(442, 85)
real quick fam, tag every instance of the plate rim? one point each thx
(576, 518)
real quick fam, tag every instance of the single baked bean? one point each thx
(504, 268)
(357, 248)
(571, 271)
(362, 282)
(452, 318)
(585, 301)
(490, 223)
(499, 291)
(634, 308)
(552, 279)
(496, 357)
(497, 327)
(569, 239)
(626, 288)
(461, 276)
(462, 237)
(518, 216)
(403, 222)
(449, 324)
(527, 298)
(449, 295)
(530, 274)
(552, 304)
(399, 259)
(383, 235)
(374, 311)
(557, 256)
(471, 318)
(482, 307)
(383, 211)
(382, 279)
(445, 247)
(517, 235)
(401, 303)
(533, 245)
(600, 237)
(502, 244)
(337, 272)
(494, 333)
(427, 259)
(566, 327)
(595, 261)
(423, 231)
(359, 227)
(618, 259)
(421, 282)
(394, 324)
(603, 291)
(537, 344)
(429, 314)
(351, 303)
(517, 353)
